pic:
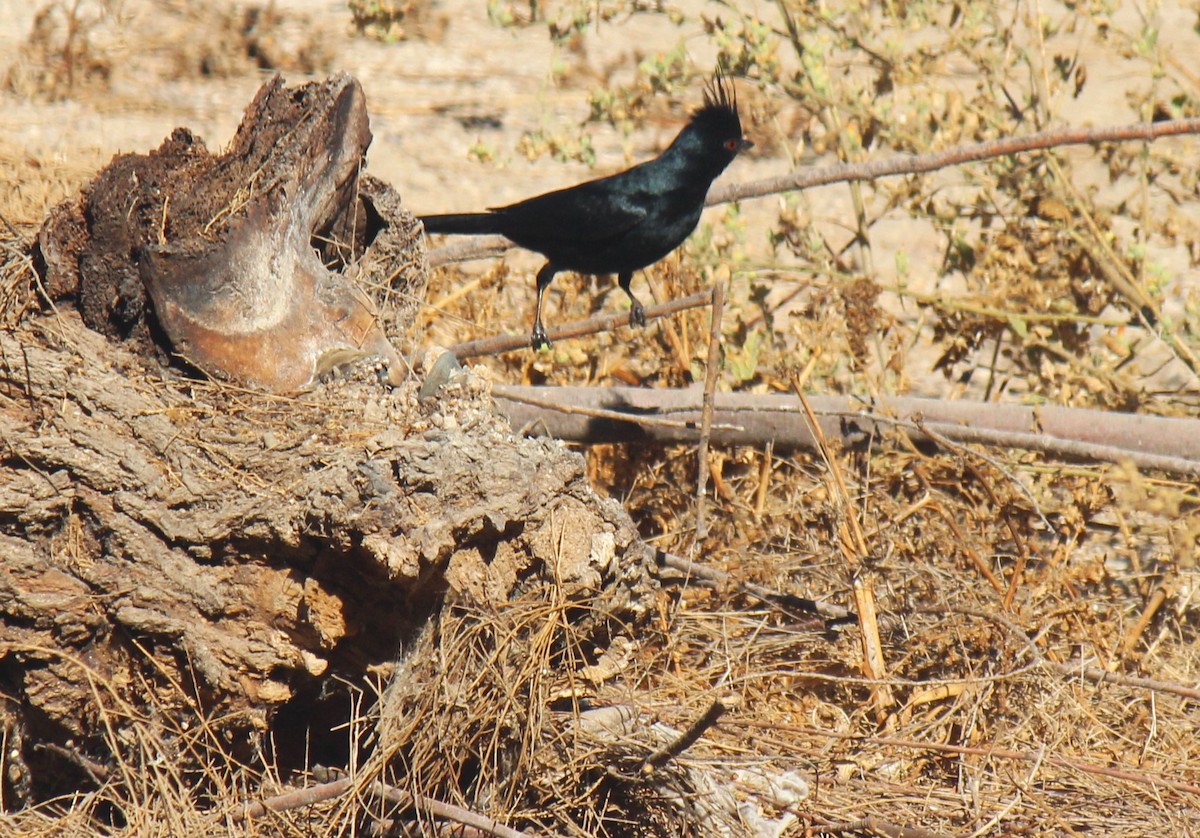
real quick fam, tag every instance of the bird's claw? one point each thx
(637, 314)
(539, 340)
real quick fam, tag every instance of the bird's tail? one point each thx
(463, 223)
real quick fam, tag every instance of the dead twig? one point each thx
(874, 664)
(960, 538)
(1102, 676)
(336, 787)
(689, 737)
(448, 811)
(942, 440)
(603, 323)
(307, 796)
(834, 615)
(852, 540)
(1156, 601)
(854, 548)
(467, 249)
(908, 164)
(1170, 444)
(99, 773)
(706, 411)
(877, 826)
(512, 393)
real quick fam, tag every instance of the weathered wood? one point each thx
(166, 531)
(216, 252)
(665, 417)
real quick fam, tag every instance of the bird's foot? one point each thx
(637, 313)
(539, 340)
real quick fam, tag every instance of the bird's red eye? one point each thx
(731, 145)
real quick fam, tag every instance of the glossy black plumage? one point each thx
(623, 222)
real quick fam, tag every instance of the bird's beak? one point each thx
(744, 145)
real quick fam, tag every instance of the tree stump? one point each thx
(191, 563)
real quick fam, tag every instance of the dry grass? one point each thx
(988, 716)
(987, 614)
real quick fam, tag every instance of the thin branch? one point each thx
(602, 323)
(515, 393)
(1143, 621)
(851, 541)
(942, 440)
(687, 739)
(877, 826)
(298, 799)
(99, 773)
(834, 615)
(1169, 444)
(468, 248)
(448, 811)
(1076, 669)
(335, 788)
(1063, 447)
(706, 411)
(908, 164)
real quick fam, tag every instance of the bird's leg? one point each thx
(637, 314)
(538, 339)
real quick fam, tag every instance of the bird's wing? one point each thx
(593, 211)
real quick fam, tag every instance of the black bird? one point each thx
(623, 222)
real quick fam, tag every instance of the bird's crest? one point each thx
(720, 93)
(719, 114)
